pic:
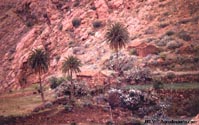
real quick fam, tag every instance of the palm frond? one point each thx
(71, 63)
(38, 61)
(117, 36)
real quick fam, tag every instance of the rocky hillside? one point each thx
(65, 27)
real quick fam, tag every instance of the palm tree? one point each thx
(39, 62)
(71, 64)
(117, 36)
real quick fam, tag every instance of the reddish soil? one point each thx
(87, 115)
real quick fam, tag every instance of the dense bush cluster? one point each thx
(80, 89)
(114, 97)
(131, 99)
(164, 40)
(121, 63)
(55, 81)
(157, 84)
(97, 24)
(173, 44)
(133, 52)
(170, 75)
(76, 22)
(184, 35)
(138, 74)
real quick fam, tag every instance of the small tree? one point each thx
(71, 65)
(117, 36)
(39, 62)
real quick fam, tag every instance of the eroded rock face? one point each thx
(29, 24)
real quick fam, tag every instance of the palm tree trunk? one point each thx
(41, 88)
(72, 89)
(117, 65)
(71, 75)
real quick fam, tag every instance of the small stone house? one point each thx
(143, 49)
(93, 78)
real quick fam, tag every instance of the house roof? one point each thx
(90, 73)
(107, 72)
(87, 73)
(137, 44)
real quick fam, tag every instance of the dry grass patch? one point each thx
(20, 103)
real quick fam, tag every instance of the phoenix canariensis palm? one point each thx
(39, 62)
(117, 36)
(70, 65)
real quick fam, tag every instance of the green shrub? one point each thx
(68, 107)
(163, 55)
(54, 82)
(138, 74)
(170, 75)
(133, 52)
(97, 24)
(79, 89)
(29, 23)
(71, 44)
(157, 84)
(164, 40)
(173, 44)
(163, 25)
(196, 59)
(76, 22)
(184, 35)
(180, 60)
(170, 33)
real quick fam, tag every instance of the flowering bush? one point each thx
(122, 63)
(114, 97)
(138, 74)
(80, 89)
(131, 99)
